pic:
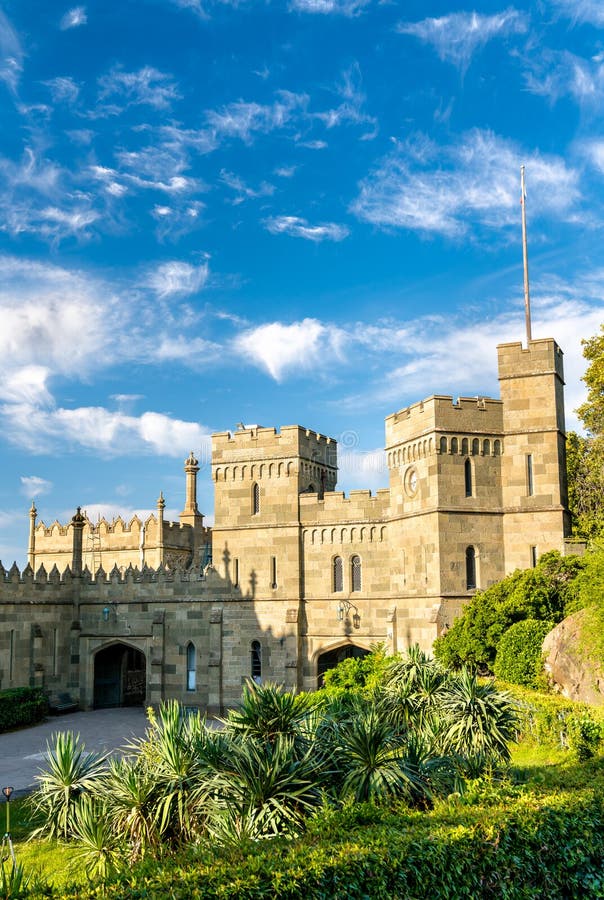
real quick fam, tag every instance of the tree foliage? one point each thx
(519, 655)
(545, 593)
(585, 455)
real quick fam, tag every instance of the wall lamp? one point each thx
(344, 607)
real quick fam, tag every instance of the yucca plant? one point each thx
(97, 842)
(265, 789)
(268, 711)
(480, 722)
(372, 754)
(70, 772)
(14, 882)
(131, 787)
(170, 751)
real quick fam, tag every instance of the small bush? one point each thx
(22, 706)
(584, 735)
(519, 654)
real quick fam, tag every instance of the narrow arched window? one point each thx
(454, 445)
(464, 447)
(468, 477)
(255, 499)
(443, 445)
(355, 573)
(338, 581)
(497, 448)
(530, 487)
(256, 661)
(475, 447)
(191, 667)
(470, 568)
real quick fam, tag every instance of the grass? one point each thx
(52, 861)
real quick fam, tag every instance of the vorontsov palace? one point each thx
(294, 575)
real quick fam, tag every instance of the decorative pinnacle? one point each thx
(78, 519)
(33, 511)
(161, 503)
(191, 462)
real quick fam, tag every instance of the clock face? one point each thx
(411, 482)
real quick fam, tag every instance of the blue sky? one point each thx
(303, 211)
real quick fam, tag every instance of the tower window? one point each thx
(256, 661)
(470, 568)
(191, 667)
(355, 573)
(486, 448)
(454, 445)
(464, 447)
(236, 572)
(443, 445)
(533, 557)
(530, 487)
(468, 477)
(255, 499)
(475, 447)
(338, 580)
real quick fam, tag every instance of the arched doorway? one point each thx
(331, 658)
(119, 677)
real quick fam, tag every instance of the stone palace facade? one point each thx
(294, 575)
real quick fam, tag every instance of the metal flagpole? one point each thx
(527, 296)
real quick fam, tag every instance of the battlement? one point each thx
(541, 357)
(14, 577)
(441, 413)
(257, 443)
(359, 506)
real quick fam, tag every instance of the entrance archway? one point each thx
(119, 677)
(331, 658)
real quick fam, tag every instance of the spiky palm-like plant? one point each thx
(131, 787)
(266, 789)
(97, 841)
(268, 711)
(70, 772)
(480, 722)
(372, 752)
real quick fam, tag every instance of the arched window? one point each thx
(454, 445)
(191, 667)
(255, 499)
(464, 447)
(256, 661)
(475, 447)
(497, 448)
(486, 448)
(468, 477)
(470, 568)
(338, 581)
(443, 445)
(355, 573)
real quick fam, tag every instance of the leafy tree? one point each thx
(519, 654)
(585, 455)
(545, 593)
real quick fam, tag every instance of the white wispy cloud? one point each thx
(328, 7)
(581, 10)
(242, 190)
(99, 430)
(468, 184)
(63, 89)
(11, 54)
(35, 486)
(350, 110)
(594, 151)
(148, 86)
(177, 278)
(172, 222)
(456, 37)
(559, 73)
(73, 18)
(116, 182)
(244, 119)
(282, 349)
(298, 227)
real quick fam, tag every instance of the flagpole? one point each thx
(527, 296)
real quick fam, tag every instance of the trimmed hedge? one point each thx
(22, 706)
(516, 845)
(519, 657)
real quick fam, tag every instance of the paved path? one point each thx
(22, 752)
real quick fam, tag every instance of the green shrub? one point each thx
(519, 657)
(22, 706)
(584, 735)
